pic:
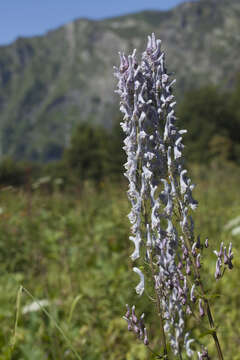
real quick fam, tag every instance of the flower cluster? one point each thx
(136, 325)
(203, 355)
(223, 257)
(160, 192)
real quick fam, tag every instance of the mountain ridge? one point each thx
(50, 83)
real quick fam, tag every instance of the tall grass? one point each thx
(70, 248)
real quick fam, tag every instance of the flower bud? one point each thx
(180, 265)
(194, 252)
(185, 252)
(230, 265)
(218, 273)
(203, 355)
(188, 268)
(184, 300)
(141, 323)
(128, 311)
(188, 310)
(198, 245)
(225, 257)
(201, 308)
(129, 321)
(192, 296)
(230, 253)
(181, 277)
(130, 328)
(136, 329)
(220, 254)
(134, 317)
(145, 341)
(198, 264)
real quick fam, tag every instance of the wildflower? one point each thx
(198, 264)
(201, 308)
(218, 273)
(203, 355)
(136, 325)
(206, 243)
(193, 297)
(187, 343)
(159, 188)
(140, 286)
(155, 172)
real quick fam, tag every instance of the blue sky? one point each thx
(35, 17)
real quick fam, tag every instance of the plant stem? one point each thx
(159, 311)
(198, 277)
(209, 313)
(158, 304)
(211, 322)
(151, 350)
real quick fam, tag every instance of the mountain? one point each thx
(50, 83)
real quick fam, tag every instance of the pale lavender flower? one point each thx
(198, 242)
(201, 308)
(218, 273)
(230, 256)
(194, 250)
(223, 258)
(136, 325)
(198, 263)
(187, 343)
(134, 317)
(128, 311)
(159, 188)
(203, 355)
(206, 243)
(140, 286)
(192, 296)
(146, 340)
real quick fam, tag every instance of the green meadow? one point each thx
(69, 250)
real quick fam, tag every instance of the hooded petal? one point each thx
(140, 286)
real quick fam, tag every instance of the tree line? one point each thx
(211, 117)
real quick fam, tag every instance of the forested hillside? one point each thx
(51, 83)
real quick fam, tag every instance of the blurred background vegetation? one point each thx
(68, 245)
(210, 115)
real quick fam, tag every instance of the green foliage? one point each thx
(94, 153)
(72, 249)
(11, 173)
(18, 174)
(51, 83)
(118, 156)
(88, 154)
(213, 125)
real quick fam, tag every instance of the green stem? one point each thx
(151, 350)
(211, 322)
(207, 305)
(209, 313)
(158, 305)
